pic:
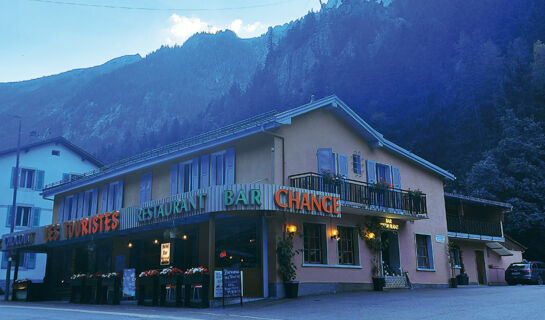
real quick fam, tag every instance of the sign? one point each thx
(99, 223)
(254, 197)
(165, 254)
(303, 201)
(439, 238)
(218, 285)
(231, 284)
(129, 282)
(17, 240)
(176, 207)
(388, 224)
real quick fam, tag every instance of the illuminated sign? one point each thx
(254, 197)
(18, 240)
(99, 223)
(388, 224)
(303, 201)
(165, 254)
(52, 232)
(175, 207)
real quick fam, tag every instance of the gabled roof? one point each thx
(235, 132)
(57, 140)
(478, 201)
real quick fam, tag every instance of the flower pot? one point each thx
(379, 283)
(453, 283)
(463, 279)
(170, 288)
(292, 289)
(148, 285)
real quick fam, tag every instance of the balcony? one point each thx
(460, 227)
(360, 195)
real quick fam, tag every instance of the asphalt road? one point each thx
(475, 303)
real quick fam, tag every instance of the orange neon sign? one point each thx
(305, 201)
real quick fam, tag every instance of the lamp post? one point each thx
(13, 207)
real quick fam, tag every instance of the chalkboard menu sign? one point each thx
(232, 284)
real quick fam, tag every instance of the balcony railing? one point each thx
(460, 224)
(373, 196)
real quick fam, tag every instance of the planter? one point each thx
(291, 289)
(196, 278)
(92, 290)
(170, 290)
(111, 290)
(21, 291)
(148, 291)
(379, 283)
(77, 290)
(463, 279)
(453, 283)
(196, 290)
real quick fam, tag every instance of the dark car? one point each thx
(531, 272)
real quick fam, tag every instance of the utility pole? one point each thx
(13, 208)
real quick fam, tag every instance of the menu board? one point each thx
(232, 283)
(129, 282)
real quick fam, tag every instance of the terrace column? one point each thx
(212, 251)
(265, 255)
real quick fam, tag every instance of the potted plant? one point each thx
(93, 287)
(287, 269)
(111, 285)
(196, 282)
(370, 233)
(21, 290)
(453, 281)
(463, 278)
(148, 281)
(77, 288)
(170, 279)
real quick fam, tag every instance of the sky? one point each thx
(44, 37)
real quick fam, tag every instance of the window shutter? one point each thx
(143, 187)
(4, 260)
(80, 197)
(149, 186)
(104, 199)
(325, 163)
(230, 166)
(174, 179)
(119, 196)
(94, 202)
(343, 165)
(205, 171)
(181, 176)
(388, 174)
(31, 260)
(396, 178)
(60, 217)
(371, 171)
(195, 174)
(66, 208)
(8, 216)
(36, 216)
(430, 251)
(356, 163)
(39, 182)
(12, 181)
(111, 200)
(213, 178)
(74, 207)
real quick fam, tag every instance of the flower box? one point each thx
(77, 290)
(195, 278)
(111, 290)
(170, 288)
(21, 290)
(92, 289)
(148, 290)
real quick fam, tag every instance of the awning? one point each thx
(499, 249)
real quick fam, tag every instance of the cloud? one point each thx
(181, 28)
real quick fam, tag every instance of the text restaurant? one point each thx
(305, 201)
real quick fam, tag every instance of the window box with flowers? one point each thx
(170, 286)
(148, 288)
(111, 288)
(93, 287)
(196, 282)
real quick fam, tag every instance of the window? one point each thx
(383, 173)
(455, 257)
(56, 153)
(145, 187)
(88, 201)
(26, 260)
(68, 208)
(219, 166)
(424, 255)
(356, 163)
(114, 200)
(26, 178)
(346, 245)
(186, 175)
(313, 242)
(22, 216)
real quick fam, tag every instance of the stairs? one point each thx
(396, 282)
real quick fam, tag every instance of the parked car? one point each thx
(527, 272)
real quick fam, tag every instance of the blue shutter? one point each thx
(195, 174)
(80, 197)
(371, 171)
(9, 213)
(60, 216)
(205, 171)
(39, 182)
(213, 178)
(143, 187)
(396, 178)
(181, 176)
(36, 216)
(325, 163)
(119, 196)
(94, 202)
(356, 163)
(66, 210)
(388, 175)
(74, 207)
(430, 251)
(4, 260)
(230, 166)
(104, 199)
(111, 200)
(12, 180)
(174, 179)
(343, 165)
(31, 260)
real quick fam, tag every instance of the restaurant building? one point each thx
(227, 197)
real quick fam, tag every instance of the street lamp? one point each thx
(14, 206)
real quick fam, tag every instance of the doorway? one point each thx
(481, 271)
(391, 264)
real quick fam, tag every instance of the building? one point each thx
(475, 231)
(225, 198)
(40, 163)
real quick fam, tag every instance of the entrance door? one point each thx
(391, 264)
(481, 271)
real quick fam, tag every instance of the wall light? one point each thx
(370, 235)
(291, 228)
(185, 237)
(129, 245)
(156, 241)
(335, 234)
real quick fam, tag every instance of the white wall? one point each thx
(39, 158)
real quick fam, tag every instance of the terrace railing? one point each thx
(374, 196)
(460, 224)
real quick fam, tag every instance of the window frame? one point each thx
(189, 177)
(323, 241)
(214, 157)
(456, 256)
(431, 263)
(355, 246)
(20, 180)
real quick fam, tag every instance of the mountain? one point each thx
(460, 83)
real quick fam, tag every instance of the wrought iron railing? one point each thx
(483, 228)
(375, 196)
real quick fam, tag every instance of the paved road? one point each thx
(476, 303)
